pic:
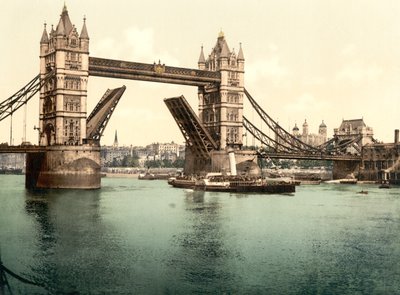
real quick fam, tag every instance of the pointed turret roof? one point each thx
(60, 31)
(67, 22)
(201, 57)
(64, 26)
(295, 128)
(224, 50)
(221, 48)
(45, 37)
(322, 124)
(240, 54)
(84, 33)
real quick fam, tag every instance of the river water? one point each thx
(144, 237)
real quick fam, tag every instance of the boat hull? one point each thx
(269, 189)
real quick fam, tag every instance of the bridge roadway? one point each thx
(280, 155)
(307, 156)
(18, 149)
(103, 67)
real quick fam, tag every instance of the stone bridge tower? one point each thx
(62, 114)
(221, 110)
(67, 161)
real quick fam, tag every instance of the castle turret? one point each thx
(305, 128)
(295, 130)
(322, 130)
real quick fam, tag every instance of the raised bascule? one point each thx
(68, 152)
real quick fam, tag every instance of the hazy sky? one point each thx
(305, 59)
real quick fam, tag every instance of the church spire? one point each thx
(115, 144)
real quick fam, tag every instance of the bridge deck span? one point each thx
(280, 155)
(22, 149)
(316, 156)
(102, 67)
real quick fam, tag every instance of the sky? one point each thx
(304, 59)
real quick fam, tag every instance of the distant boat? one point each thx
(348, 181)
(153, 176)
(182, 182)
(384, 184)
(363, 192)
(343, 181)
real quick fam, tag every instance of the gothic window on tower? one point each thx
(71, 129)
(235, 134)
(73, 42)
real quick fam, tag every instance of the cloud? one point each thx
(356, 72)
(270, 69)
(137, 44)
(304, 103)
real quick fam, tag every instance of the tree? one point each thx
(130, 161)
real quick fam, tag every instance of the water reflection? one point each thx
(202, 254)
(68, 230)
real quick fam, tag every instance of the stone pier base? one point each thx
(70, 167)
(342, 169)
(246, 163)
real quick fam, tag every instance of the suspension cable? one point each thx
(22, 96)
(278, 130)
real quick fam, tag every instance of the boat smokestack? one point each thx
(396, 136)
(232, 162)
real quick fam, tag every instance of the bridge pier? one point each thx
(72, 167)
(341, 169)
(246, 163)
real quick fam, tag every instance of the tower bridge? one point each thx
(68, 151)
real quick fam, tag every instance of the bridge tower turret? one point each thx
(62, 113)
(221, 108)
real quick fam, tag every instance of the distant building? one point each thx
(354, 130)
(110, 155)
(113, 155)
(381, 161)
(311, 138)
(166, 148)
